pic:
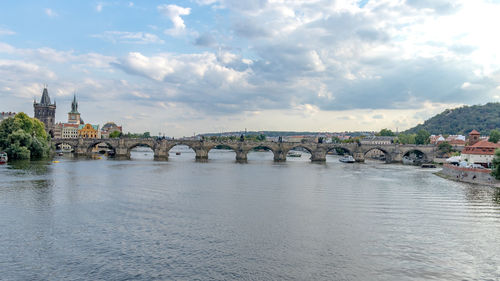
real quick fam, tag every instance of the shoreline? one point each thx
(468, 175)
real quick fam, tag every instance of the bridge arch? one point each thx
(300, 147)
(340, 150)
(177, 143)
(223, 150)
(277, 155)
(415, 152)
(59, 143)
(384, 151)
(95, 142)
(132, 146)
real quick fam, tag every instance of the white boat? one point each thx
(3, 158)
(347, 159)
(293, 154)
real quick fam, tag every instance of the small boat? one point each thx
(428, 166)
(293, 154)
(177, 153)
(3, 158)
(347, 159)
(55, 161)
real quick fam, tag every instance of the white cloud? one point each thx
(174, 13)
(50, 13)
(99, 7)
(4, 31)
(130, 37)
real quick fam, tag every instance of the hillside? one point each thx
(462, 120)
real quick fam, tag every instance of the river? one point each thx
(140, 219)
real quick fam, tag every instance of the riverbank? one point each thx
(468, 175)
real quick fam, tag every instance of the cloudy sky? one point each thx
(184, 67)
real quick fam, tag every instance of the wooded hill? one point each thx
(462, 120)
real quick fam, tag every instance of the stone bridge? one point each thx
(318, 151)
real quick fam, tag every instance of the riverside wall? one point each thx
(469, 175)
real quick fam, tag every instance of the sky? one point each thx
(187, 67)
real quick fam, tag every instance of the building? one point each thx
(378, 140)
(70, 131)
(45, 111)
(89, 131)
(109, 128)
(5, 115)
(479, 151)
(74, 115)
(474, 137)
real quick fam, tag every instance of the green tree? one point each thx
(422, 137)
(406, 138)
(386, 133)
(495, 171)
(335, 139)
(146, 135)
(445, 147)
(23, 137)
(494, 136)
(115, 134)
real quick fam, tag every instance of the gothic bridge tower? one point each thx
(46, 112)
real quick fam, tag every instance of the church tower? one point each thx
(46, 112)
(74, 115)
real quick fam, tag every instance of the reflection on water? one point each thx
(182, 220)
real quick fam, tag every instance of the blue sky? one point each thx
(184, 67)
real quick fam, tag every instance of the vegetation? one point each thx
(462, 120)
(445, 147)
(422, 137)
(136, 136)
(495, 171)
(494, 136)
(406, 138)
(115, 134)
(385, 133)
(23, 137)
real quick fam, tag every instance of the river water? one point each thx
(140, 219)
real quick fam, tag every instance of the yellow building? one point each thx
(89, 131)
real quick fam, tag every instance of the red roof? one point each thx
(474, 132)
(457, 142)
(483, 147)
(486, 143)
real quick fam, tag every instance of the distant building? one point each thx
(74, 115)
(69, 131)
(5, 115)
(481, 152)
(109, 128)
(45, 111)
(378, 140)
(456, 141)
(89, 131)
(474, 137)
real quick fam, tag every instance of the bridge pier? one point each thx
(359, 156)
(161, 151)
(318, 155)
(159, 156)
(201, 154)
(279, 155)
(122, 152)
(241, 155)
